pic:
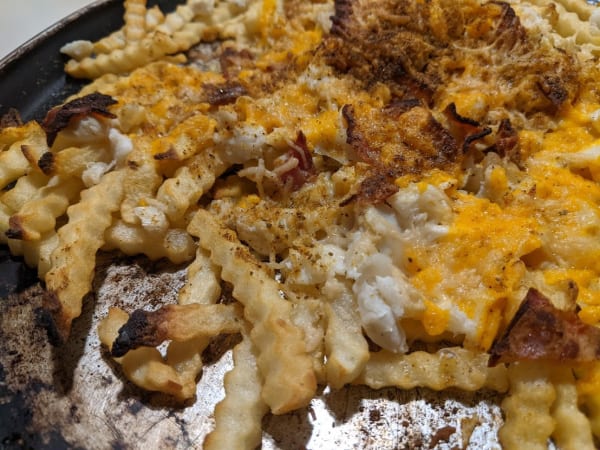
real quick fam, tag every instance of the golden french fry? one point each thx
(346, 348)
(145, 366)
(448, 367)
(175, 244)
(572, 431)
(74, 259)
(38, 216)
(18, 148)
(71, 161)
(238, 416)
(176, 322)
(177, 194)
(282, 358)
(528, 423)
(203, 282)
(26, 188)
(135, 19)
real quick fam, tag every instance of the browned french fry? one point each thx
(528, 422)
(346, 348)
(74, 258)
(176, 322)
(287, 369)
(38, 216)
(238, 416)
(449, 367)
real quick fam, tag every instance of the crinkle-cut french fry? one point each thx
(178, 32)
(135, 19)
(45, 247)
(175, 243)
(308, 315)
(39, 215)
(117, 40)
(71, 161)
(258, 232)
(15, 158)
(25, 189)
(146, 367)
(78, 49)
(141, 183)
(238, 417)
(177, 323)
(190, 182)
(572, 431)
(137, 53)
(74, 259)
(37, 253)
(290, 381)
(202, 285)
(583, 9)
(449, 367)
(154, 17)
(528, 422)
(107, 44)
(346, 348)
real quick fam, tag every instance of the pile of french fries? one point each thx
(165, 174)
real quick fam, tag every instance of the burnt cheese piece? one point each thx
(540, 331)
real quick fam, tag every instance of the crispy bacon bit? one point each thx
(223, 94)
(232, 61)
(507, 142)
(399, 106)
(355, 138)
(540, 331)
(464, 129)
(376, 189)
(510, 32)
(60, 117)
(304, 169)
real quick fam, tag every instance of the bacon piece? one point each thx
(540, 331)
(356, 139)
(464, 129)
(304, 170)
(223, 94)
(232, 61)
(507, 142)
(376, 188)
(60, 117)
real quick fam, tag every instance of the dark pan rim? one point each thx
(32, 77)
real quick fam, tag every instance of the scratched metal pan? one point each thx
(75, 397)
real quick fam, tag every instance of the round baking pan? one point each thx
(76, 397)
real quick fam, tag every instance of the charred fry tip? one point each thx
(46, 163)
(139, 330)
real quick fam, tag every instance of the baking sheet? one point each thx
(75, 396)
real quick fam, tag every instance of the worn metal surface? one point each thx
(76, 397)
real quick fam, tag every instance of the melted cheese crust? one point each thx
(434, 244)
